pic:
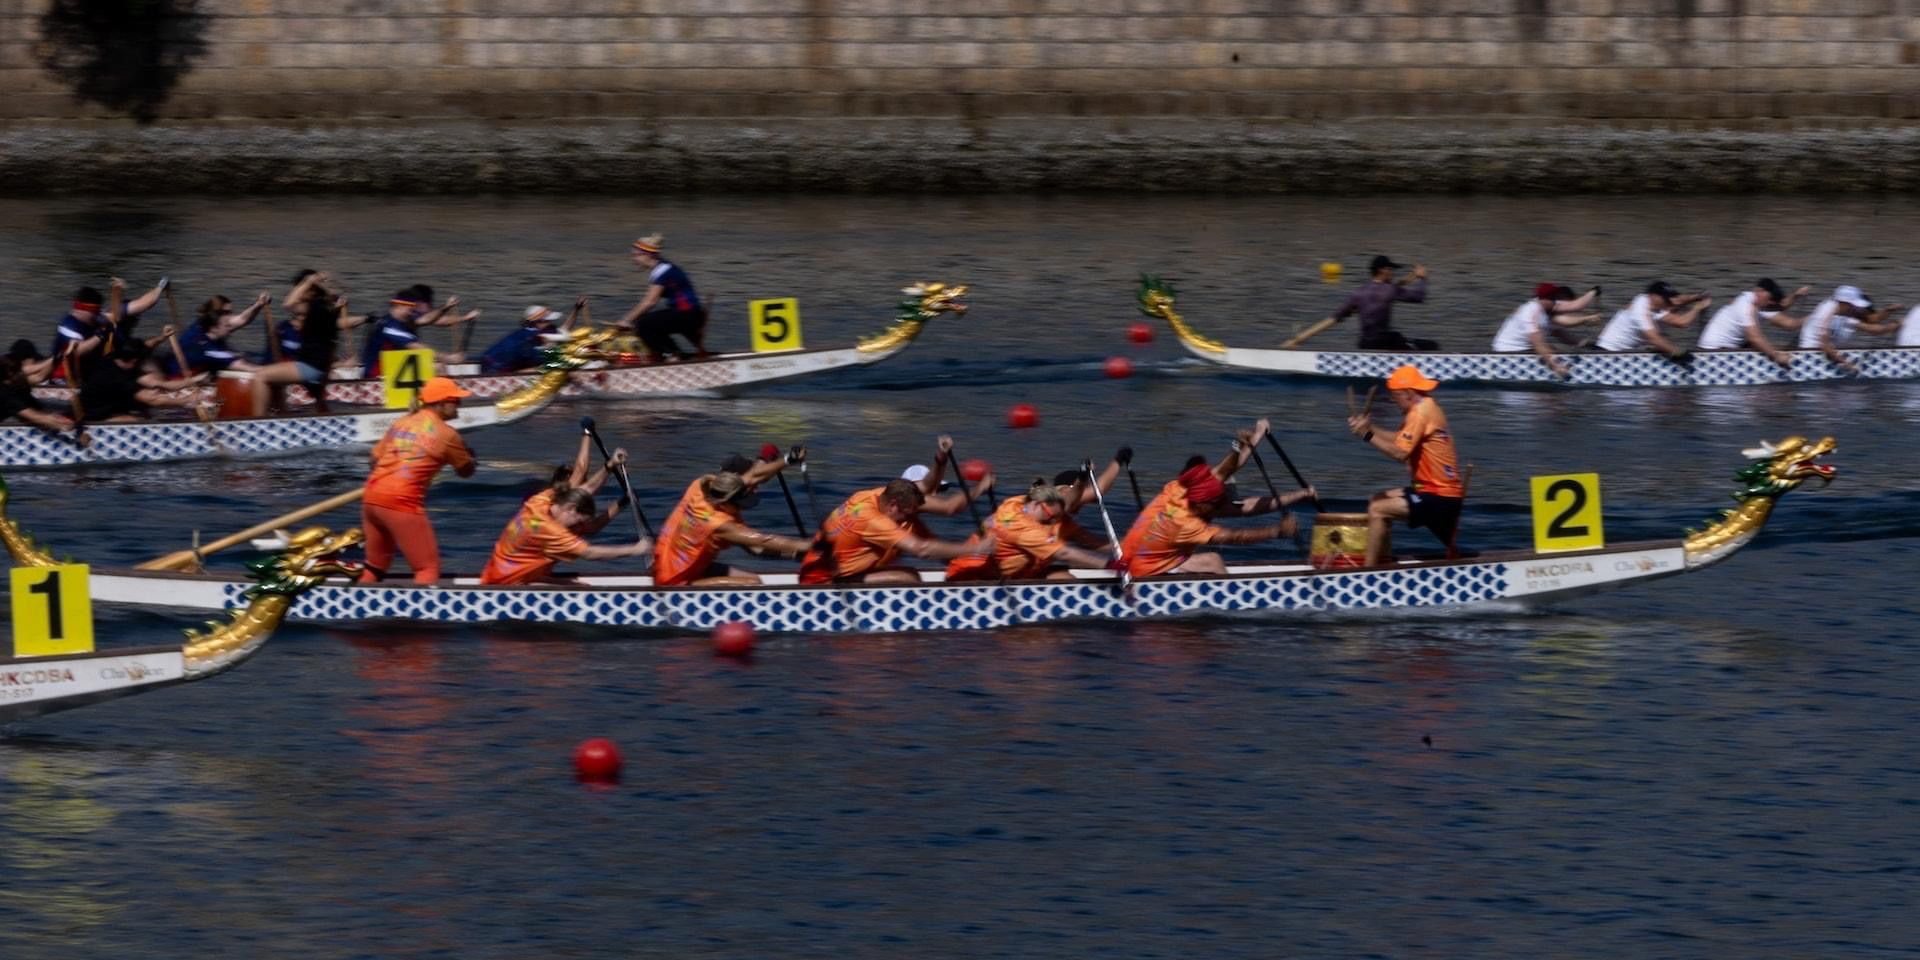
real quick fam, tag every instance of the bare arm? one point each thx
(640, 547)
(1756, 335)
(951, 504)
(1243, 447)
(654, 293)
(1791, 298)
(763, 543)
(1577, 304)
(1254, 506)
(944, 549)
(1082, 559)
(51, 422)
(143, 302)
(1362, 426)
(1243, 535)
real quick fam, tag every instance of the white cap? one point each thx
(1851, 296)
(915, 473)
(539, 312)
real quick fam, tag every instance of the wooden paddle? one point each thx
(771, 452)
(1297, 478)
(1303, 335)
(966, 489)
(465, 335)
(273, 335)
(180, 357)
(190, 559)
(1113, 538)
(640, 521)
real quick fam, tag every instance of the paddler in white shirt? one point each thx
(1637, 328)
(1738, 324)
(1909, 330)
(1838, 318)
(1554, 309)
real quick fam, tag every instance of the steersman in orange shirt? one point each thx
(1425, 444)
(394, 510)
(1177, 522)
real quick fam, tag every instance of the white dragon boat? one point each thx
(157, 441)
(783, 605)
(612, 370)
(1708, 368)
(33, 686)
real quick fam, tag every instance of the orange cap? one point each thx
(442, 388)
(1409, 377)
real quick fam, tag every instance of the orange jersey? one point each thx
(530, 545)
(405, 460)
(1165, 534)
(689, 540)
(857, 537)
(1023, 546)
(1434, 465)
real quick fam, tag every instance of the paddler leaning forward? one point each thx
(1030, 534)
(707, 521)
(547, 531)
(863, 537)
(1176, 522)
(1425, 445)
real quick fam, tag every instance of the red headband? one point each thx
(83, 305)
(1202, 486)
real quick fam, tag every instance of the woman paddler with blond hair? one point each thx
(707, 521)
(1168, 531)
(1030, 536)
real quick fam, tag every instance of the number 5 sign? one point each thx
(775, 324)
(1566, 512)
(52, 610)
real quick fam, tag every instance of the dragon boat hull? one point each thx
(31, 686)
(31, 447)
(633, 602)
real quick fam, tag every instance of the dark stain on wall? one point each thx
(125, 55)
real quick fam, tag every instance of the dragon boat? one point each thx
(33, 686)
(783, 605)
(612, 369)
(157, 441)
(1707, 368)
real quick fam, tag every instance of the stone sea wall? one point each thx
(461, 95)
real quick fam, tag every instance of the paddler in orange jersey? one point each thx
(1425, 444)
(394, 511)
(862, 538)
(1029, 534)
(547, 531)
(576, 475)
(707, 521)
(1165, 535)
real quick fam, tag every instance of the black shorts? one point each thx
(1436, 513)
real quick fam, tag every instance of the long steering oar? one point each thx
(188, 559)
(1309, 332)
(1297, 478)
(626, 486)
(771, 452)
(1113, 538)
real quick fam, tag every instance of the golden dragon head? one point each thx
(922, 303)
(1779, 467)
(309, 557)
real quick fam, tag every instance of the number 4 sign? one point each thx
(52, 610)
(1566, 512)
(404, 373)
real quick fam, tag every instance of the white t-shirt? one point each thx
(1823, 315)
(1910, 330)
(1728, 328)
(1516, 333)
(1627, 331)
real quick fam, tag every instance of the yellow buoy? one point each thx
(1330, 272)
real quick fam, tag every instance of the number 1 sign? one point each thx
(52, 610)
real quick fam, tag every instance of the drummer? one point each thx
(1425, 445)
(707, 521)
(1029, 535)
(546, 532)
(863, 537)
(1553, 310)
(407, 312)
(394, 511)
(1174, 524)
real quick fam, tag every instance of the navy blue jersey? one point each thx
(676, 288)
(518, 350)
(389, 334)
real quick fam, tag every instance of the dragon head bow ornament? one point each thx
(923, 302)
(1776, 469)
(305, 560)
(1156, 300)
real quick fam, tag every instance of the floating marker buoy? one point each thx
(1330, 272)
(733, 639)
(1022, 416)
(973, 470)
(1119, 368)
(596, 759)
(1140, 333)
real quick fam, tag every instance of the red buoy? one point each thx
(596, 759)
(1022, 416)
(1140, 333)
(1119, 368)
(733, 639)
(973, 470)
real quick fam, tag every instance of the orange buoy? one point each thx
(1119, 368)
(733, 639)
(596, 759)
(1022, 416)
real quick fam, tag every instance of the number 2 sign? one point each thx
(1566, 512)
(52, 610)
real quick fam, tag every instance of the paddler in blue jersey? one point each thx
(670, 307)
(407, 312)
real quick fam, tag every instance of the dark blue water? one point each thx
(1714, 765)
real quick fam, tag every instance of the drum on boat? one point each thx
(234, 390)
(1340, 541)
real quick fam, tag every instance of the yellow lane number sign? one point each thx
(404, 373)
(775, 324)
(52, 610)
(1566, 512)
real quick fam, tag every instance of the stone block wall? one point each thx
(1616, 61)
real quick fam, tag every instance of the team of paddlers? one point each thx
(1032, 535)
